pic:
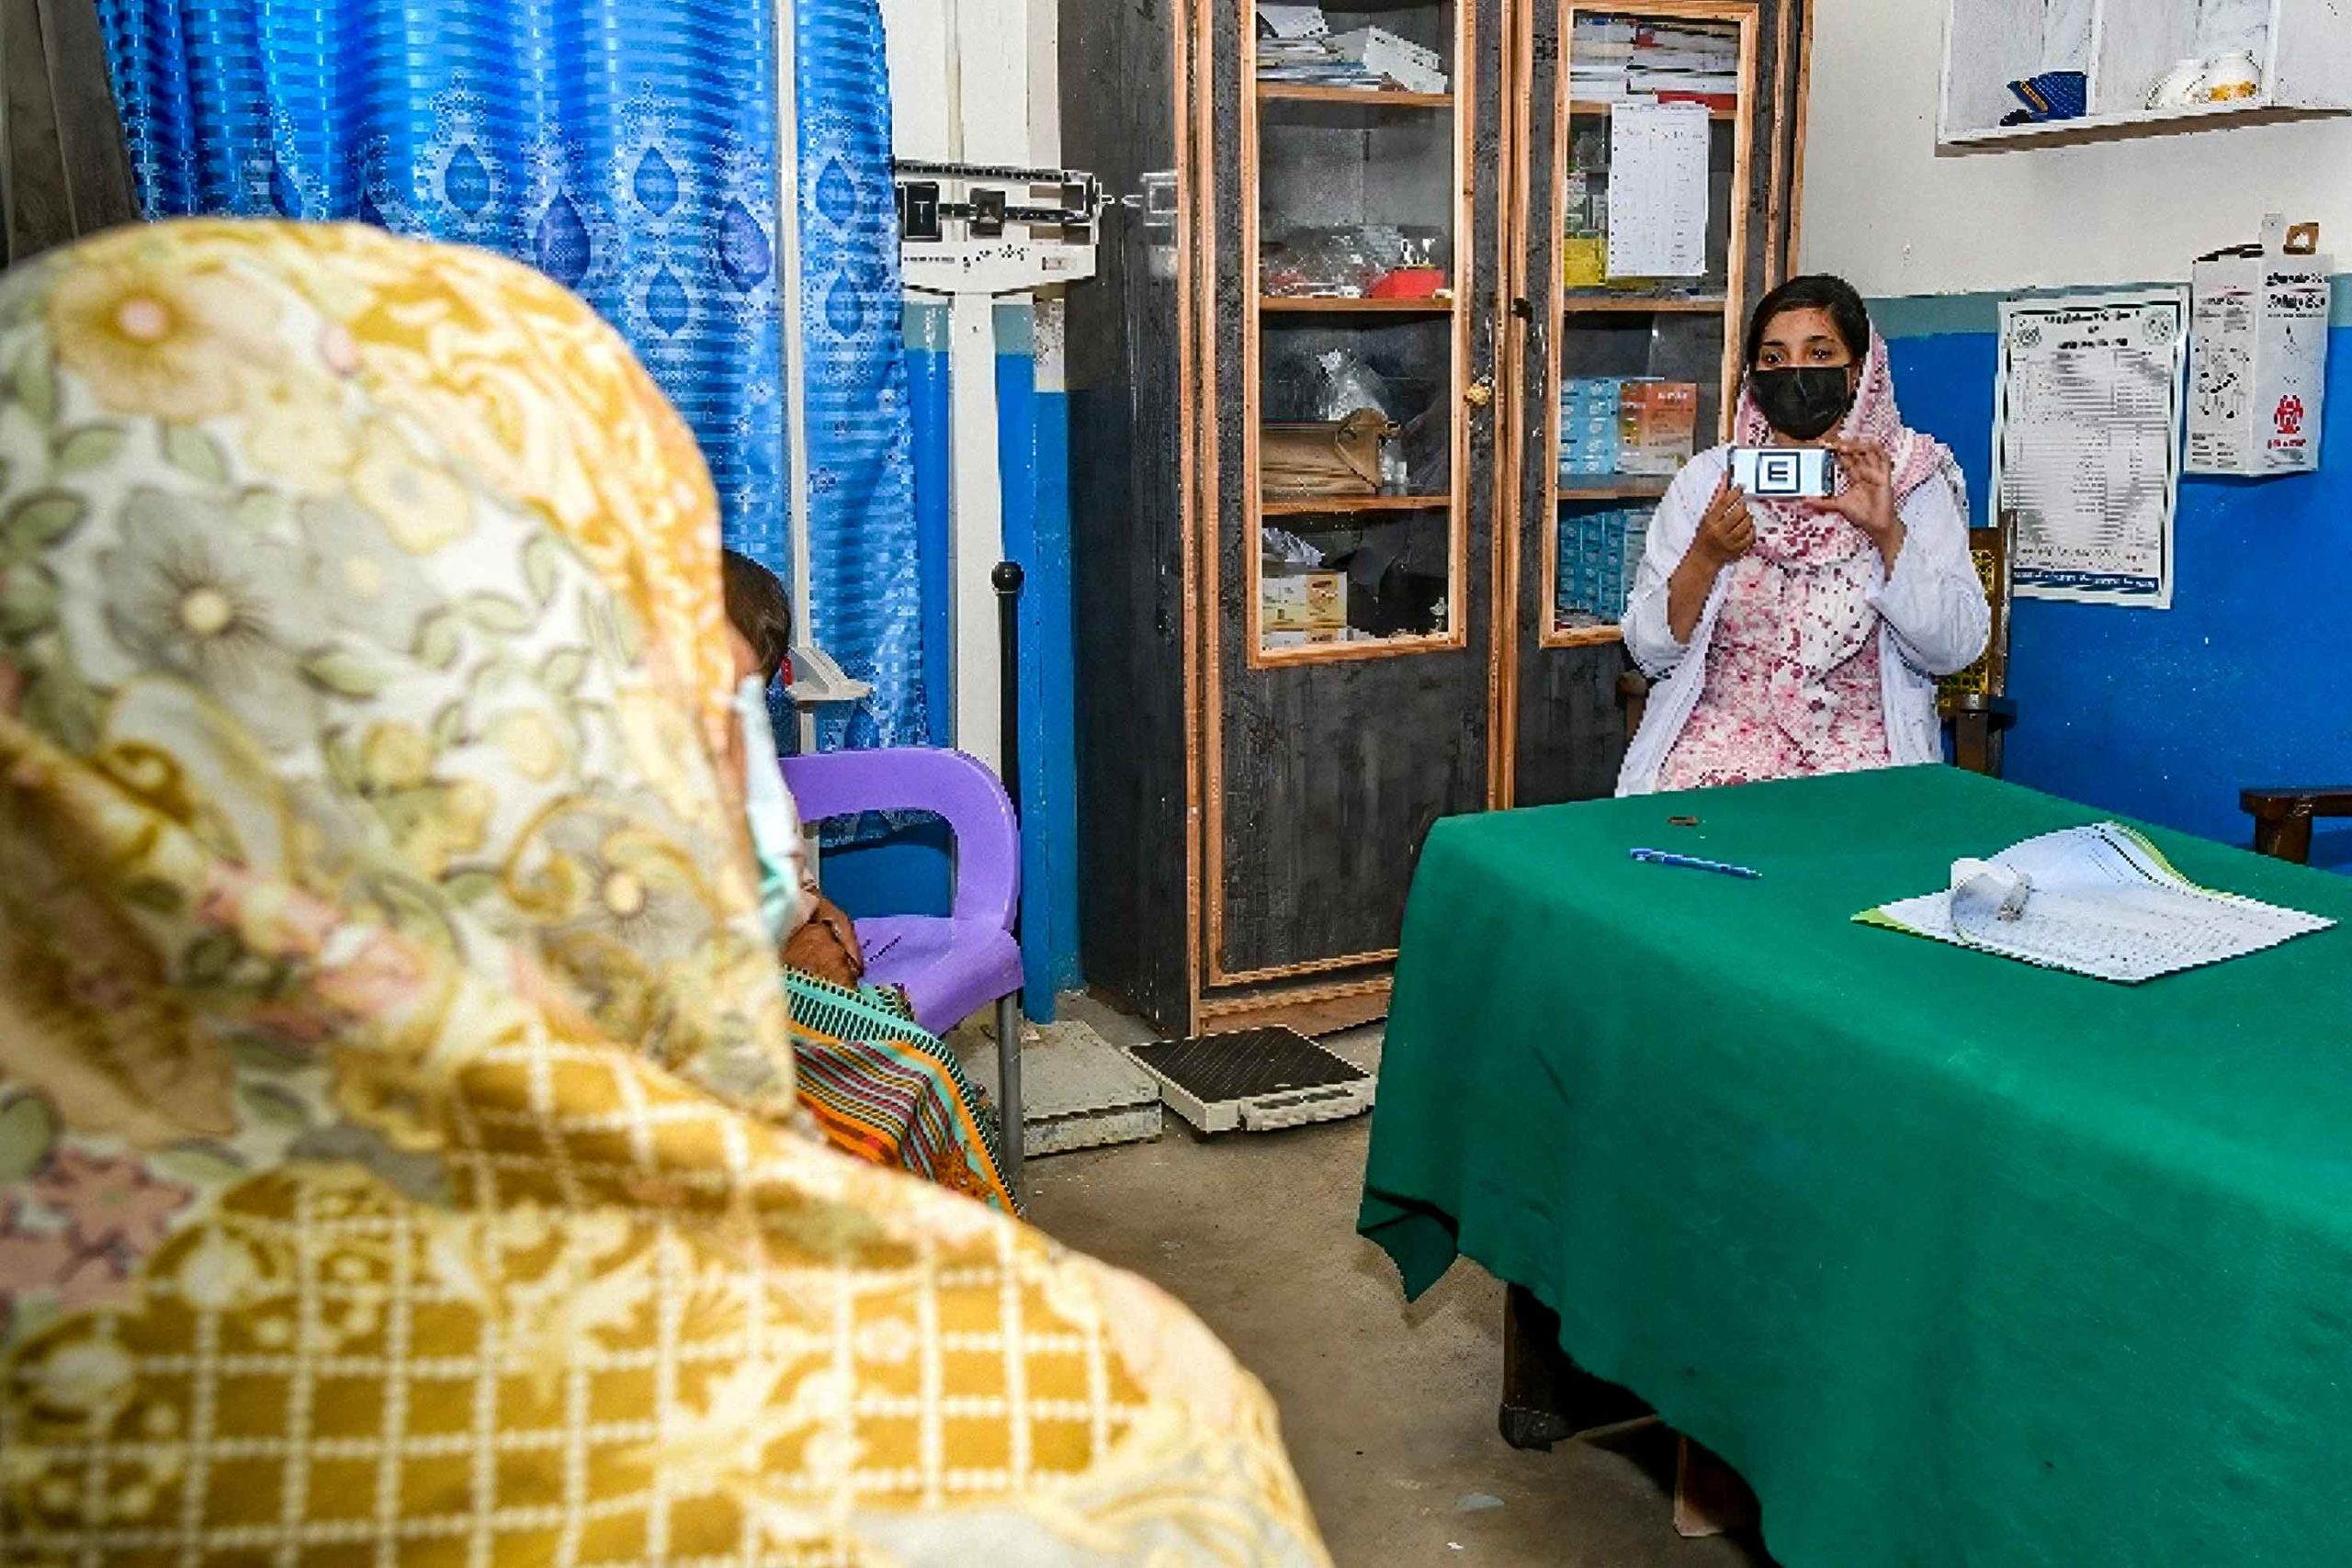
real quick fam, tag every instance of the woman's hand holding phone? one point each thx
(1867, 501)
(1726, 532)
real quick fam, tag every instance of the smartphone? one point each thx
(1783, 473)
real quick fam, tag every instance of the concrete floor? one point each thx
(1388, 1408)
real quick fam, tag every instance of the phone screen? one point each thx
(1783, 473)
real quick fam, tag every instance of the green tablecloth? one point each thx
(1959, 1261)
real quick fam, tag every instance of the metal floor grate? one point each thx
(1255, 1078)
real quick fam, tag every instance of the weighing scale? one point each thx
(1255, 1080)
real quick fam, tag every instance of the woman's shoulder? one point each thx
(1935, 502)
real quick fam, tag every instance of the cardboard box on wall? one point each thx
(2258, 359)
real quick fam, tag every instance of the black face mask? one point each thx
(1802, 401)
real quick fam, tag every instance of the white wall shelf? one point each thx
(2128, 126)
(2306, 61)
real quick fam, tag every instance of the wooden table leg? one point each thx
(1546, 1396)
(1710, 1498)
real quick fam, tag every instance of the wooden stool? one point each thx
(1709, 1496)
(1546, 1396)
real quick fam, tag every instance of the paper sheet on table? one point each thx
(1657, 190)
(2102, 901)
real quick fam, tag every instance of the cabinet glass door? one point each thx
(1648, 366)
(1355, 152)
(1356, 223)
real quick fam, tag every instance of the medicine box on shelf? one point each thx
(1304, 601)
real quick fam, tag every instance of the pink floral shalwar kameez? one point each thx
(1757, 717)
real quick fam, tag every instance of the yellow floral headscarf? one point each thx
(393, 1071)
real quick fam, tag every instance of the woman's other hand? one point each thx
(1725, 530)
(1868, 500)
(1726, 533)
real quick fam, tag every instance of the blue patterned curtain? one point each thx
(861, 528)
(627, 147)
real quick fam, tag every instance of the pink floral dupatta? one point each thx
(1829, 566)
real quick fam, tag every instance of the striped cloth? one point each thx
(887, 1091)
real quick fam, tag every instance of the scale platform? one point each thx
(1255, 1080)
(1077, 1091)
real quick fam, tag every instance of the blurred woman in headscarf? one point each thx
(397, 1149)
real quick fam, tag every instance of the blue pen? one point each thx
(1692, 863)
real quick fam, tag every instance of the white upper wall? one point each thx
(1884, 211)
(915, 33)
(974, 81)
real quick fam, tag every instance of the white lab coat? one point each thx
(1933, 620)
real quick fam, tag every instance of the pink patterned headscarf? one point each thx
(1826, 566)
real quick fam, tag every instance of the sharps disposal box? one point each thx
(2259, 358)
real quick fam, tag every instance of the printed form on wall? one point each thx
(2085, 444)
(1657, 190)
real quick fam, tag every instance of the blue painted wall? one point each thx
(1034, 441)
(909, 870)
(2165, 713)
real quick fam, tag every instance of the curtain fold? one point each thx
(868, 609)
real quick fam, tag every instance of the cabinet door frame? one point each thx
(1480, 260)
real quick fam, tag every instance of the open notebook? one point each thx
(2101, 900)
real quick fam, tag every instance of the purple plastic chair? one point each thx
(951, 965)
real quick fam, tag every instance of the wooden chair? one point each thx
(2283, 815)
(1975, 702)
(1632, 696)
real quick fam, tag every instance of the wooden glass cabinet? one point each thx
(1315, 461)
